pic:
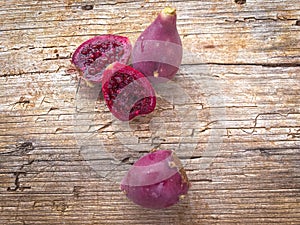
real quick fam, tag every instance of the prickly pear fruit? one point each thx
(95, 54)
(156, 181)
(158, 50)
(127, 92)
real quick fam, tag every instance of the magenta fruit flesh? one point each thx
(158, 50)
(156, 181)
(95, 54)
(127, 92)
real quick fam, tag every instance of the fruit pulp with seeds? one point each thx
(94, 55)
(127, 92)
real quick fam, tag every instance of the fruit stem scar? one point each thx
(169, 11)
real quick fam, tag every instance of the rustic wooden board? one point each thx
(235, 122)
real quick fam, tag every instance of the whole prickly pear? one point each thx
(158, 50)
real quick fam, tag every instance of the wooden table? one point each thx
(237, 129)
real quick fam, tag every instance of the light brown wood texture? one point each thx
(237, 129)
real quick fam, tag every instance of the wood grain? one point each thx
(235, 123)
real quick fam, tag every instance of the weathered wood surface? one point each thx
(239, 136)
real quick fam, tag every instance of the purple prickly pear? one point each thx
(156, 181)
(127, 92)
(158, 50)
(95, 54)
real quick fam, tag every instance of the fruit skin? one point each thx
(127, 92)
(156, 181)
(158, 50)
(95, 54)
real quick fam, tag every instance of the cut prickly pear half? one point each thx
(94, 55)
(127, 92)
(157, 52)
(157, 180)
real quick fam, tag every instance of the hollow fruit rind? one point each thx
(127, 92)
(157, 52)
(94, 55)
(156, 181)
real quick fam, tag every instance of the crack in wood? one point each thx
(20, 149)
(27, 73)
(52, 109)
(253, 18)
(270, 151)
(240, 2)
(56, 58)
(201, 180)
(27, 164)
(87, 7)
(295, 134)
(103, 127)
(127, 160)
(296, 64)
(24, 147)
(23, 101)
(17, 183)
(262, 114)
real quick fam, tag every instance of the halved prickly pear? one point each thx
(158, 50)
(157, 180)
(127, 92)
(95, 54)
